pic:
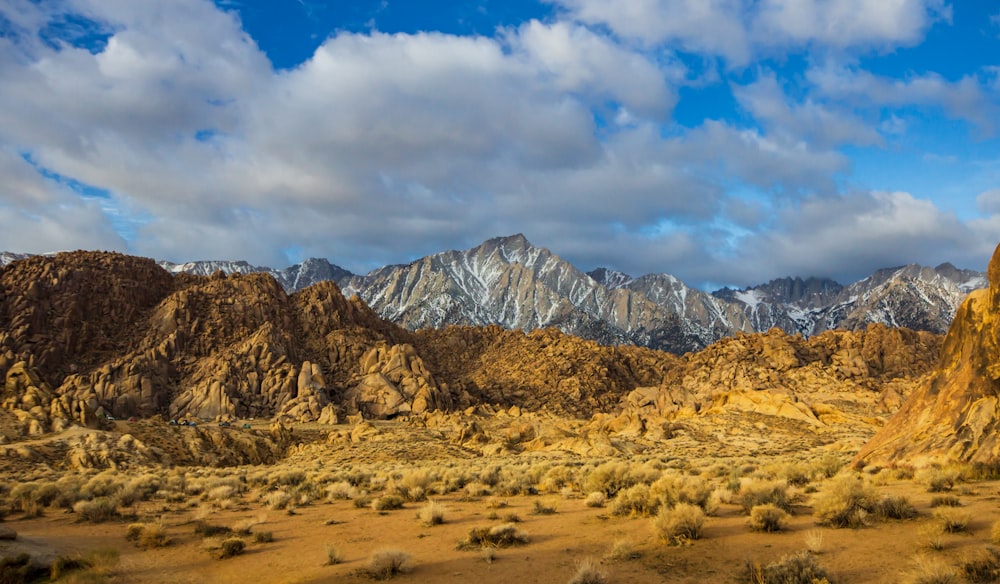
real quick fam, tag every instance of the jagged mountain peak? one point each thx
(609, 278)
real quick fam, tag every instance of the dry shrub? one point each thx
(97, 510)
(952, 519)
(596, 499)
(931, 536)
(800, 568)
(544, 508)
(431, 514)
(670, 489)
(892, 507)
(333, 555)
(231, 547)
(277, 499)
(931, 571)
(938, 480)
(503, 535)
(588, 572)
(634, 501)
(147, 535)
(984, 568)
(758, 492)
(388, 563)
(845, 501)
(679, 524)
(609, 478)
(263, 537)
(388, 503)
(340, 491)
(206, 529)
(622, 550)
(767, 517)
(477, 490)
(945, 501)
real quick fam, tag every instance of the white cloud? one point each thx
(961, 99)
(738, 29)
(988, 202)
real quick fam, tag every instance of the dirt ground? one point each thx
(882, 553)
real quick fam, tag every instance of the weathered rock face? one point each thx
(816, 380)
(955, 414)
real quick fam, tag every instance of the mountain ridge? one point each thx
(510, 282)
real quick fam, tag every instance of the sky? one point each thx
(726, 142)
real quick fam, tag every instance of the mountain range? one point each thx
(509, 282)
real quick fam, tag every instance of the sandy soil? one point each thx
(884, 552)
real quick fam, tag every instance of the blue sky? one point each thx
(722, 141)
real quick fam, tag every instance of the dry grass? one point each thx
(503, 535)
(952, 519)
(933, 571)
(767, 518)
(678, 525)
(588, 572)
(622, 550)
(596, 499)
(333, 555)
(388, 563)
(800, 568)
(814, 541)
(845, 501)
(431, 514)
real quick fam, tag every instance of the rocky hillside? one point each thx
(954, 414)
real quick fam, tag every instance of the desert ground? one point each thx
(448, 514)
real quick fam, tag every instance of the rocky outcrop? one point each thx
(953, 416)
(395, 381)
(815, 381)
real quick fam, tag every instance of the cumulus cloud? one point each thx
(738, 29)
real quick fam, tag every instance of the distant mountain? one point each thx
(509, 282)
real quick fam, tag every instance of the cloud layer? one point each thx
(166, 131)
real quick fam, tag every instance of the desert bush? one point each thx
(671, 489)
(758, 492)
(147, 535)
(930, 571)
(362, 501)
(206, 529)
(800, 568)
(984, 568)
(931, 536)
(945, 501)
(828, 466)
(544, 508)
(503, 535)
(845, 501)
(622, 550)
(938, 480)
(97, 510)
(277, 499)
(634, 501)
(588, 572)
(952, 519)
(595, 499)
(795, 474)
(388, 503)
(288, 478)
(388, 563)
(263, 537)
(477, 489)
(892, 507)
(231, 547)
(608, 478)
(341, 490)
(681, 523)
(767, 517)
(333, 555)
(431, 514)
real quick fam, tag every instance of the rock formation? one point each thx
(955, 414)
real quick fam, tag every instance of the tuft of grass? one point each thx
(588, 572)
(678, 525)
(503, 535)
(96, 510)
(622, 550)
(388, 503)
(263, 537)
(596, 499)
(890, 507)
(388, 563)
(768, 518)
(814, 541)
(544, 508)
(800, 568)
(431, 514)
(333, 555)
(945, 501)
(984, 568)
(931, 571)
(952, 519)
(931, 536)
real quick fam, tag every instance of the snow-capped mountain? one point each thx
(7, 257)
(509, 282)
(292, 278)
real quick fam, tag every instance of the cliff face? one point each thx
(955, 414)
